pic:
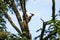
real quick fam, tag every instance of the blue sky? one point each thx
(41, 9)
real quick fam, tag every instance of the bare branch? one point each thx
(23, 6)
(13, 25)
(23, 3)
(16, 13)
(42, 20)
(43, 29)
(25, 19)
(53, 9)
(25, 16)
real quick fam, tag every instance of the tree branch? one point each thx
(53, 9)
(25, 19)
(13, 25)
(23, 6)
(23, 3)
(42, 33)
(25, 16)
(16, 13)
(53, 18)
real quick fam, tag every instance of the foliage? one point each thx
(5, 6)
(24, 33)
(53, 28)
